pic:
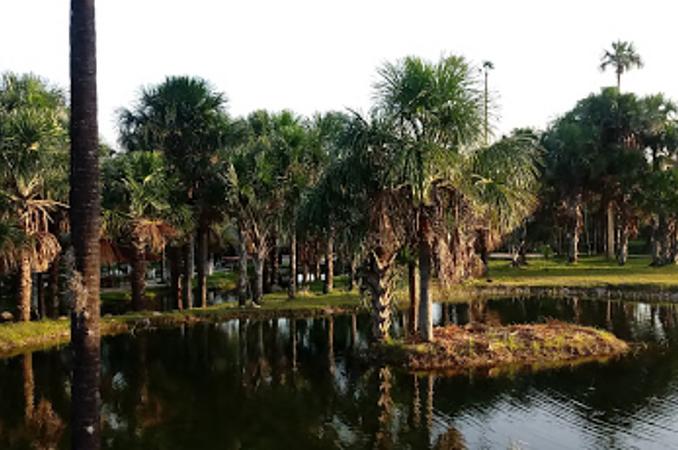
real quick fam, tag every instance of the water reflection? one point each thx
(298, 384)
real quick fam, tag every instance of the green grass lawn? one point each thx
(588, 272)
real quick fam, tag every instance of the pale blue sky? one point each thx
(317, 55)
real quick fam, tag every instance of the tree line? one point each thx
(412, 190)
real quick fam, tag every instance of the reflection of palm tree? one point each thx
(385, 404)
(452, 439)
(44, 425)
(330, 344)
(29, 386)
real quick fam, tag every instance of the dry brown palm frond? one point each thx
(43, 248)
(154, 234)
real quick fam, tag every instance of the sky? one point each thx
(320, 55)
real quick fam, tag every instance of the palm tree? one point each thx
(137, 211)
(185, 118)
(436, 109)
(487, 66)
(32, 135)
(85, 220)
(622, 58)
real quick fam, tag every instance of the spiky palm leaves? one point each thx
(32, 140)
(137, 211)
(186, 119)
(622, 57)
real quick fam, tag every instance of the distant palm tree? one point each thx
(85, 218)
(623, 57)
(137, 211)
(487, 66)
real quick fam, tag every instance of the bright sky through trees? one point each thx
(310, 55)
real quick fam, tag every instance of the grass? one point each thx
(539, 346)
(589, 272)
(16, 338)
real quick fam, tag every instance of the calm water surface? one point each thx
(297, 385)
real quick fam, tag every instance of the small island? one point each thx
(476, 346)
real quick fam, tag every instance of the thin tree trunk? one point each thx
(574, 234)
(610, 231)
(242, 269)
(25, 287)
(425, 257)
(42, 305)
(328, 286)
(54, 288)
(292, 288)
(414, 304)
(259, 260)
(352, 273)
(202, 264)
(138, 276)
(85, 216)
(174, 255)
(189, 254)
(274, 253)
(623, 253)
(266, 282)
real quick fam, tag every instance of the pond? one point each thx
(297, 384)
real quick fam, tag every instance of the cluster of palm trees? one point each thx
(610, 170)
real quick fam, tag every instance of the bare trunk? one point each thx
(414, 304)
(292, 288)
(623, 252)
(189, 254)
(377, 283)
(610, 231)
(25, 288)
(328, 286)
(202, 264)
(42, 304)
(85, 216)
(274, 254)
(242, 269)
(353, 267)
(425, 259)
(174, 255)
(574, 233)
(54, 288)
(138, 276)
(259, 260)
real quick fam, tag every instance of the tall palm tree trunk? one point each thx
(292, 288)
(623, 253)
(25, 287)
(53, 288)
(174, 255)
(42, 304)
(425, 259)
(189, 262)
(328, 286)
(414, 304)
(85, 213)
(259, 261)
(610, 231)
(352, 271)
(202, 264)
(274, 254)
(138, 276)
(242, 269)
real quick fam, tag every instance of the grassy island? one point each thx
(477, 346)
